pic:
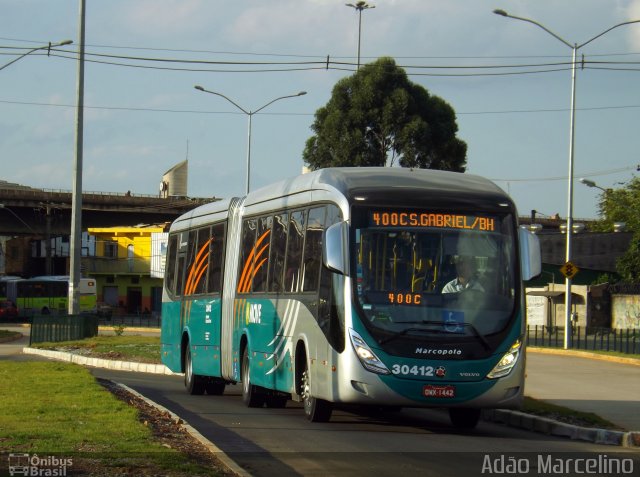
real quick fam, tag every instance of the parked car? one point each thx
(8, 311)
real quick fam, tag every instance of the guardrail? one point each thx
(51, 328)
(625, 341)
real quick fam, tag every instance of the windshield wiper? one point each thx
(478, 335)
(407, 330)
(441, 324)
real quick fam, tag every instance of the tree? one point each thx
(622, 205)
(377, 117)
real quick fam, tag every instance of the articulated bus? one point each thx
(328, 288)
(50, 295)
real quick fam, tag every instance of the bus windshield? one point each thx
(434, 275)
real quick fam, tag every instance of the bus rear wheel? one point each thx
(316, 410)
(215, 386)
(251, 394)
(464, 418)
(194, 383)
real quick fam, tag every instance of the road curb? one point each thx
(211, 447)
(101, 363)
(583, 354)
(544, 425)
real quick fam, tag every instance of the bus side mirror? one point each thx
(530, 256)
(334, 251)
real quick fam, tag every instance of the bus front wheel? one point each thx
(251, 394)
(316, 410)
(195, 384)
(464, 418)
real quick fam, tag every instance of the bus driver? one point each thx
(467, 278)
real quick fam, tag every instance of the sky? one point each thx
(509, 82)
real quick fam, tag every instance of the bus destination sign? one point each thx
(387, 218)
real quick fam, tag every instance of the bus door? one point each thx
(255, 313)
(200, 305)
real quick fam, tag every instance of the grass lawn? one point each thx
(6, 335)
(563, 414)
(51, 408)
(142, 349)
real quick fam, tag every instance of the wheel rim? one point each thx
(245, 375)
(188, 374)
(306, 394)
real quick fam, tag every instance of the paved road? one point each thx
(276, 442)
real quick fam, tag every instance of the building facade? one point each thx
(122, 267)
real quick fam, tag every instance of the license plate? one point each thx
(432, 391)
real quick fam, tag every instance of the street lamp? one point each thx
(44, 47)
(359, 6)
(250, 115)
(589, 183)
(574, 47)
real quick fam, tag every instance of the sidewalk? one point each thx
(609, 389)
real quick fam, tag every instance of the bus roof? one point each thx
(377, 185)
(395, 183)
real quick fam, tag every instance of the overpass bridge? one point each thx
(40, 212)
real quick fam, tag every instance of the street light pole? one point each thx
(44, 47)
(574, 47)
(359, 6)
(75, 244)
(250, 115)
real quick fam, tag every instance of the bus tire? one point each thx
(251, 395)
(276, 401)
(215, 386)
(192, 382)
(464, 417)
(316, 410)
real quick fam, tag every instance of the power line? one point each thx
(195, 111)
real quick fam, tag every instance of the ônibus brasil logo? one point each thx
(34, 465)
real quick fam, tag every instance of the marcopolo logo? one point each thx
(34, 465)
(439, 351)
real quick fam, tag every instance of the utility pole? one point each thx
(75, 245)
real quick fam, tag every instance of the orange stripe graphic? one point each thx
(244, 285)
(197, 268)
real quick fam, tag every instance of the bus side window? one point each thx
(292, 278)
(277, 252)
(216, 256)
(262, 254)
(172, 250)
(313, 249)
(198, 259)
(183, 246)
(246, 256)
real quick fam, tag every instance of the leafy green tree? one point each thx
(623, 205)
(377, 117)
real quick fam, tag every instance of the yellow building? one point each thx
(122, 266)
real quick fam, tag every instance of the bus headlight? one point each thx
(367, 357)
(508, 361)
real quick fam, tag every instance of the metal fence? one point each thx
(51, 328)
(586, 338)
(151, 320)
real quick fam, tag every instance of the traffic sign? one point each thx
(569, 270)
